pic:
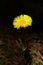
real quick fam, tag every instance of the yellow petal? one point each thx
(22, 21)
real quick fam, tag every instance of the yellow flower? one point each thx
(22, 21)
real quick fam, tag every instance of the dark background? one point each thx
(11, 8)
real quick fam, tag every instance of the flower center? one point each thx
(22, 21)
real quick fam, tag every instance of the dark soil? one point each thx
(16, 49)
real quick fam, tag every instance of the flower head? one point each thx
(22, 21)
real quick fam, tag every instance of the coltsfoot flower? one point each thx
(22, 21)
